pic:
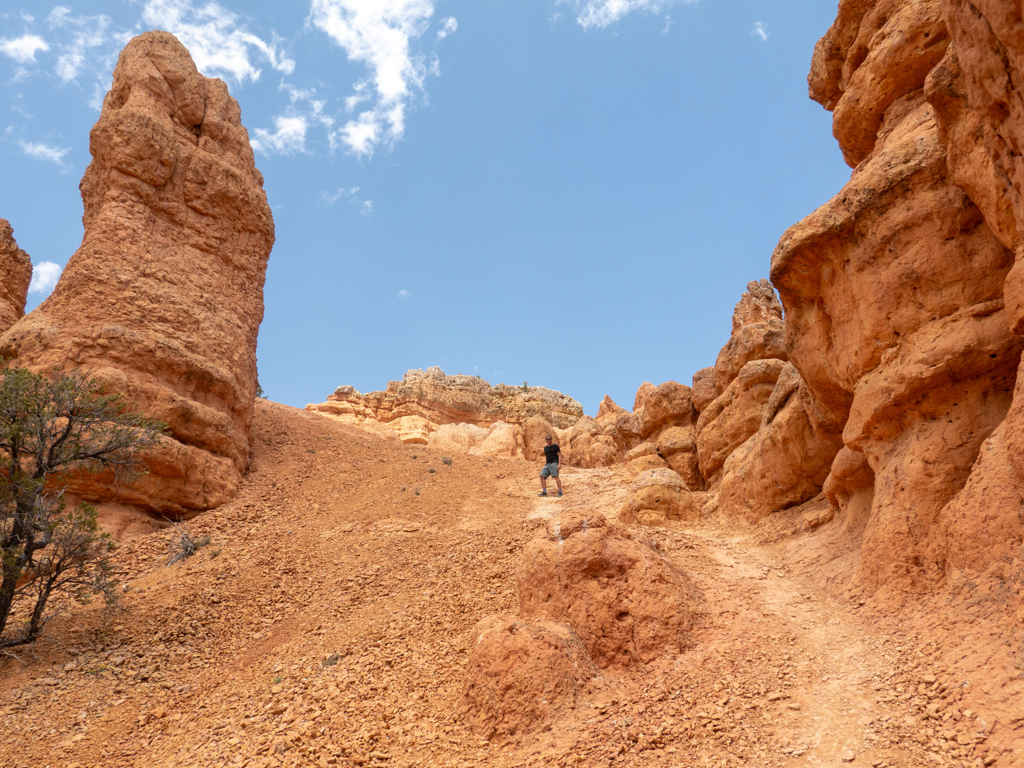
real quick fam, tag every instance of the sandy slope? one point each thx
(327, 623)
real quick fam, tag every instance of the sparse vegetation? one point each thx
(416, 491)
(184, 545)
(54, 428)
(431, 470)
(526, 387)
(259, 391)
(446, 460)
(331, 660)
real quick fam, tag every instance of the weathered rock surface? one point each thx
(164, 298)
(15, 276)
(499, 439)
(521, 676)
(423, 401)
(787, 460)
(679, 448)
(704, 389)
(626, 602)
(667, 405)
(735, 415)
(757, 333)
(658, 496)
(901, 294)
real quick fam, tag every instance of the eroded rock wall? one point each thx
(15, 276)
(164, 298)
(899, 293)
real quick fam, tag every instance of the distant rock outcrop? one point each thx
(164, 298)
(15, 276)
(416, 408)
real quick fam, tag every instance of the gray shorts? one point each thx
(550, 470)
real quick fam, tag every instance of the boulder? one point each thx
(601, 442)
(645, 456)
(678, 447)
(786, 462)
(15, 276)
(627, 602)
(521, 676)
(735, 415)
(658, 496)
(704, 389)
(164, 298)
(666, 405)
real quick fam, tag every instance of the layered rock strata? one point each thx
(15, 276)
(164, 298)
(416, 407)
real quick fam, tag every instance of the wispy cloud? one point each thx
(404, 294)
(45, 152)
(377, 35)
(760, 31)
(604, 13)
(45, 275)
(352, 195)
(448, 27)
(87, 33)
(289, 137)
(218, 42)
(23, 49)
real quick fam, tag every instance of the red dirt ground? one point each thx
(327, 623)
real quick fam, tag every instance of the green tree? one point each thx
(53, 429)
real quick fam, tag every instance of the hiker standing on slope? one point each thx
(552, 461)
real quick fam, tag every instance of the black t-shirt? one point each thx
(551, 453)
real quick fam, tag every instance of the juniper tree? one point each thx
(53, 429)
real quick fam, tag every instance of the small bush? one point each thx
(331, 660)
(417, 491)
(446, 460)
(431, 470)
(184, 545)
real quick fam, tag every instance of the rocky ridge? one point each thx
(458, 412)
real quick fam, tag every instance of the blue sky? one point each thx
(571, 193)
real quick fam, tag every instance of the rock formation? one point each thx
(164, 298)
(15, 276)
(658, 496)
(901, 294)
(626, 602)
(423, 401)
(521, 675)
(602, 441)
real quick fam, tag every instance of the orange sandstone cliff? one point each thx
(164, 298)
(15, 276)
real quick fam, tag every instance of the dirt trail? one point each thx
(327, 623)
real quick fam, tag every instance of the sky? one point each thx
(568, 193)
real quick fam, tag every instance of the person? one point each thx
(552, 461)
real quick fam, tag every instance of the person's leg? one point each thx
(558, 480)
(544, 479)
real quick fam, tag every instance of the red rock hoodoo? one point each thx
(164, 298)
(15, 276)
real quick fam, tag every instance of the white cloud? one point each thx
(404, 294)
(760, 31)
(448, 27)
(378, 35)
(219, 44)
(89, 32)
(366, 208)
(289, 137)
(45, 152)
(23, 49)
(603, 13)
(352, 195)
(45, 275)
